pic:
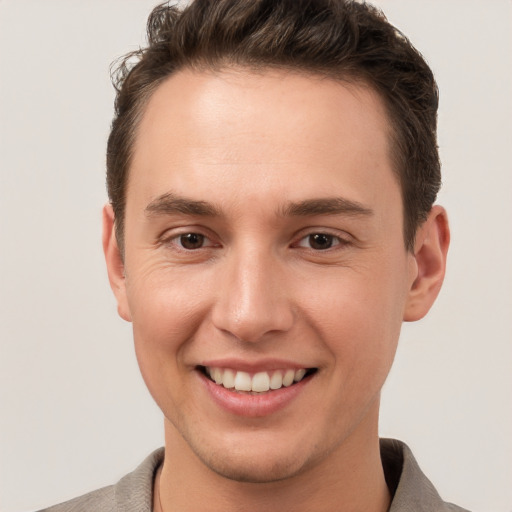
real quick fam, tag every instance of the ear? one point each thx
(114, 261)
(430, 250)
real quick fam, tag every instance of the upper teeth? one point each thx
(258, 382)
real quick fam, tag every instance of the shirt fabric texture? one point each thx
(412, 491)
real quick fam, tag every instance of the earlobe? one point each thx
(114, 261)
(430, 251)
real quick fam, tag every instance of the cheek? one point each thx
(163, 300)
(166, 313)
(359, 316)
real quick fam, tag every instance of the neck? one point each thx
(349, 479)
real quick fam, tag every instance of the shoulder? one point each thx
(101, 500)
(134, 492)
(411, 489)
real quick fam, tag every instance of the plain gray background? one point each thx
(74, 412)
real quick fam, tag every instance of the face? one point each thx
(264, 250)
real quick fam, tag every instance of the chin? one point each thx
(256, 470)
(251, 462)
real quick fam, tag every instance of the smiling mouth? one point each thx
(256, 383)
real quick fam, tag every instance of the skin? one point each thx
(255, 147)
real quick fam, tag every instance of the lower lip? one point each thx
(254, 406)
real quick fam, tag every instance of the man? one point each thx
(272, 170)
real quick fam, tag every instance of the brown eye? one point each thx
(321, 241)
(191, 241)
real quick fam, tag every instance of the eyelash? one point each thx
(175, 240)
(336, 240)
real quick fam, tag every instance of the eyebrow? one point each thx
(326, 206)
(168, 204)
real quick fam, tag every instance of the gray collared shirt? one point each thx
(412, 491)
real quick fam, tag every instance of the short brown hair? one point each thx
(341, 39)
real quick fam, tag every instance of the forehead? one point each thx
(274, 128)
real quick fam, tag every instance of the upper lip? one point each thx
(262, 365)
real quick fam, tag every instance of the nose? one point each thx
(252, 301)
